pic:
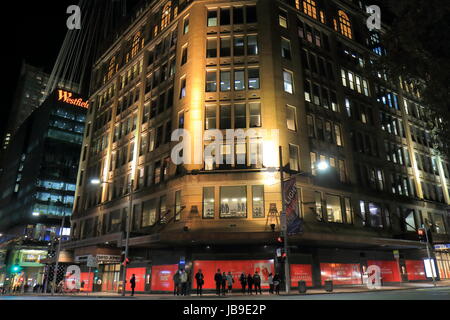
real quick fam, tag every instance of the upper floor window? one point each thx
(136, 44)
(165, 18)
(345, 26)
(309, 7)
(283, 19)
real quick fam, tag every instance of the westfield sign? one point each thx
(66, 97)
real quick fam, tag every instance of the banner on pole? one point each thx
(294, 224)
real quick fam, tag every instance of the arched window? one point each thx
(310, 8)
(165, 18)
(344, 24)
(136, 44)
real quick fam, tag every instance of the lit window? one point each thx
(345, 25)
(309, 7)
(294, 156)
(165, 18)
(291, 118)
(136, 44)
(288, 79)
(233, 202)
(253, 79)
(208, 203)
(282, 18)
(211, 81)
(212, 18)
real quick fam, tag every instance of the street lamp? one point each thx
(96, 181)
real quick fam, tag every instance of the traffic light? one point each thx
(422, 235)
(126, 261)
(16, 269)
(280, 241)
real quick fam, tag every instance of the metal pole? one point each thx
(429, 256)
(127, 238)
(58, 251)
(89, 282)
(286, 262)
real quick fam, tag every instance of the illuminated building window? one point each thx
(225, 80)
(211, 81)
(183, 88)
(344, 25)
(149, 213)
(255, 115)
(239, 46)
(252, 45)
(165, 18)
(239, 80)
(334, 210)
(186, 26)
(208, 203)
(288, 78)
(309, 7)
(253, 79)
(283, 19)
(136, 45)
(258, 202)
(233, 202)
(184, 55)
(212, 18)
(210, 117)
(294, 156)
(291, 118)
(285, 48)
(178, 207)
(112, 69)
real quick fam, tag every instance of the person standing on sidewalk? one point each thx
(271, 283)
(218, 281)
(276, 283)
(176, 283)
(257, 282)
(243, 280)
(224, 283)
(230, 281)
(250, 284)
(200, 280)
(133, 284)
(184, 282)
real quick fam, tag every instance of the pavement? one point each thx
(410, 290)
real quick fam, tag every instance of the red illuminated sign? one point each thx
(162, 277)
(301, 272)
(237, 267)
(389, 270)
(86, 281)
(140, 278)
(66, 97)
(341, 273)
(415, 270)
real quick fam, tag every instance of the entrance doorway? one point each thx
(111, 278)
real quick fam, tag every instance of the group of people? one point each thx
(181, 283)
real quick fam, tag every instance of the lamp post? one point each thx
(127, 228)
(431, 261)
(58, 252)
(322, 166)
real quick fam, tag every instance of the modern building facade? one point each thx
(357, 143)
(39, 182)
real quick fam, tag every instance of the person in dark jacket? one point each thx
(224, 283)
(200, 280)
(243, 280)
(250, 284)
(176, 283)
(257, 283)
(276, 283)
(218, 281)
(133, 284)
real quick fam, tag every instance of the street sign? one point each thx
(396, 254)
(92, 262)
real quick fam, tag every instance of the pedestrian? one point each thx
(230, 281)
(200, 280)
(271, 283)
(257, 283)
(176, 283)
(250, 284)
(224, 283)
(218, 280)
(243, 280)
(133, 284)
(184, 282)
(276, 283)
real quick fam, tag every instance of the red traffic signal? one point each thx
(126, 262)
(422, 234)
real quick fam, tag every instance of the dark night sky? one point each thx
(33, 31)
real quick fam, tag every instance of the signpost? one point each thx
(91, 263)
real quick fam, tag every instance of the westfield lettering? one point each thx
(67, 98)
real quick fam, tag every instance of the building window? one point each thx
(288, 78)
(291, 118)
(149, 213)
(225, 117)
(183, 88)
(253, 79)
(309, 7)
(211, 48)
(285, 48)
(186, 26)
(282, 19)
(251, 15)
(210, 117)
(255, 114)
(212, 18)
(258, 202)
(348, 211)
(239, 46)
(225, 80)
(345, 25)
(136, 44)
(252, 45)
(208, 203)
(375, 218)
(184, 55)
(233, 202)
(225, 47)
(165, 18)
(334, 210)
(211, 81)
(240, 116)
(239, 80)
(238, 15)
(294, 156)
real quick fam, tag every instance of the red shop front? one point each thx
(301, 272)
(139, 273)
(389, 270)
(87, 281)
(340, 273)
(415, 270)
(236, 267)
(162, 277)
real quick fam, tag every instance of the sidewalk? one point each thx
(294, 292)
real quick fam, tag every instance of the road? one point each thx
(440, 293)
